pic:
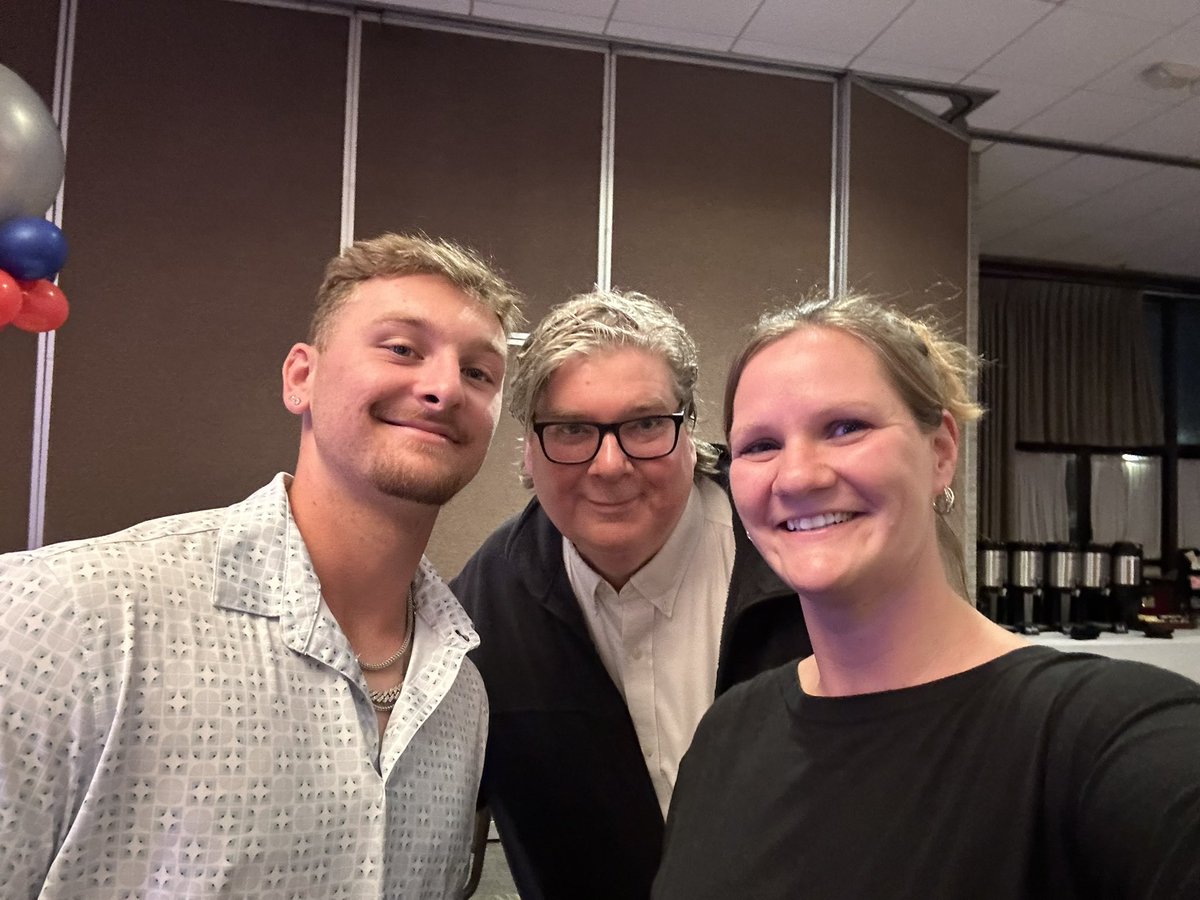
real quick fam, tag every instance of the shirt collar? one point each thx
(263, 568)
(659, 579)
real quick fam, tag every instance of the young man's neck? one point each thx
(365, 548)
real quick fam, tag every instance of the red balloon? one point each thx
(10, 298)
(44, 308)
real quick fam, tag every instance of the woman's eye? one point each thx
(401, 349)
(846, 427)
(757, 448)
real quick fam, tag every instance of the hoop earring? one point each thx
(943, 503)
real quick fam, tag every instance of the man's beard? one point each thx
(432, 485)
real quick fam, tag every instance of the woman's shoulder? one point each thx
(753, 698)
(1045, 671)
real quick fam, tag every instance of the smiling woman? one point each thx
(843, 420)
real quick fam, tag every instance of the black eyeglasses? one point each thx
(646, 437)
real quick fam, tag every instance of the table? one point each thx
(1180, 653)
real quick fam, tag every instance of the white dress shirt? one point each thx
(660, 635)
(180, 714)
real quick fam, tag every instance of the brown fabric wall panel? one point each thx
(492, 143)
(18, 361)
(28, 46)
(908, 208)
(29, 42)
(721, 198)
(495, 144)
(203, 194)
(907, 237)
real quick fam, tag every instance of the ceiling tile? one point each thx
(727, 17)
(1007, 166)
(823, 24)
(654, 34)
(1091, 117)
(1015, 244)
(1091, 174)
(1023, 207)
(1173, 12)
(1016, 101)
(1070, 47)
(459, 7)
(823, 59)
(595, 9)
(1176, 132)
(1177, 226)
(916, 71)
(1143, 196)
(1126, 80)
(1058, 230)
(539, 18)
(956, 34)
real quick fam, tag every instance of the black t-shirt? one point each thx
(1039, 774)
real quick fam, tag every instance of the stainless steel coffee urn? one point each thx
(992, 572)
(1024, 585)
(1125, 588)
(1095, 569)
(1061, 586)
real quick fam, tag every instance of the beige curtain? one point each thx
(1068, 364)
(1189, 503)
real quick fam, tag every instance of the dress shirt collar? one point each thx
(659, 579)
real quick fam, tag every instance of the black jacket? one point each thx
(564, 774)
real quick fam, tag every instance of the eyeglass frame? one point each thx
(612, 428)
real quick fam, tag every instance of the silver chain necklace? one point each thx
(384, 701)
(391, 660)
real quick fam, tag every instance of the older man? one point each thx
(273, 699)
(617, 605)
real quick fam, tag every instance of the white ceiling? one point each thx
(1066, 70)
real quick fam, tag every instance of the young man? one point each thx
(273, 699)
(615, 607)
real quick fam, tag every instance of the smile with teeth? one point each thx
(810, 523)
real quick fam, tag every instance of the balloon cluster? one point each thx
(32, 250)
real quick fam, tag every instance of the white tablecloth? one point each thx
(1179, 653)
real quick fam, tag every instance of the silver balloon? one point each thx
(31, 150)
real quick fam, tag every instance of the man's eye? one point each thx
(570, 431)
(401, 349)
(476, 374)
(648, 425)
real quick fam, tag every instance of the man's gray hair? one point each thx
(601, 320)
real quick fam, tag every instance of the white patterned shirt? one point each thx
(181, 715)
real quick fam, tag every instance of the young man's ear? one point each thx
(298, 368)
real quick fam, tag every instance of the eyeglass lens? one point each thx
(645, 438)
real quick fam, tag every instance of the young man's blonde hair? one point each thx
(393, 255)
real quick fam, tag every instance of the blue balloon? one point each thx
(31, 248)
